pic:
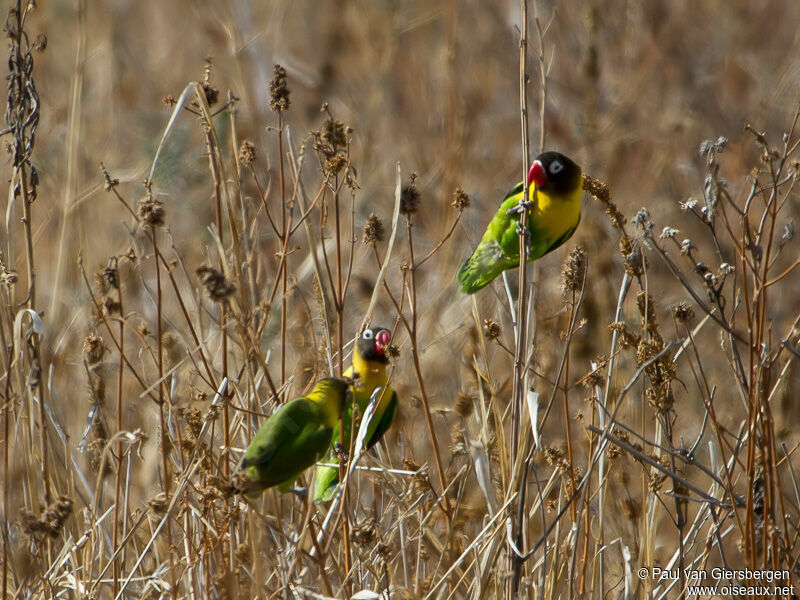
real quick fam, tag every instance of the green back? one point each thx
(291, 441)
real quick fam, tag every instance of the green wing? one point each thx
(498, 249)
(288, 443)
(326, 480)
(384, 422)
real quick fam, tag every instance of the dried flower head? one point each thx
(460, 199)
(111, 275)
(627, 338)
(574, 271)
(596, 188)
(93, 349)
(464, 404)
(365, 534)
(247, 153)
(279, 90)
(687, 246)
(211, 93)
(492, 328)
(668, 233)
(373, 231)
(409, 197)
(688, 204)
(169, 100)
(217, 286)
(151, 212)
(50, 522)
(683, 312)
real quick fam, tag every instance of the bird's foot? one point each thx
(300, 492)
(521, 207)
(525, 232)
(341, 453)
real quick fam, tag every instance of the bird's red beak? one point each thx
(537, 175)
(382, 341)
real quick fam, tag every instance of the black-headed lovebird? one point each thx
(291, 440)
(552, 219)
(368, 373)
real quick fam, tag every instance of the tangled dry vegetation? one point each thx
(649, 420)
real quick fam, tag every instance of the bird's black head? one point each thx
(554, 173)
(372, 344)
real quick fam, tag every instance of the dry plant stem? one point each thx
(412, 293)
(119, 559)
(6, 478)
(165, 439)
(521, 312)
(214, 161)
(285, 242)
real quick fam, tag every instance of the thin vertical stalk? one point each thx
(162, 417)
(521, 314)
(118, 559)
(285, 242)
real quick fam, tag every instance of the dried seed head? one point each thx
(646, 306)
(211, 93)
(151, 212)
(279, 90)
(247, 153)
(635, 261)
(688, 204)
(574, 271)
(627, 339)
(217, 286)
(668, 233)
(464, 404)
(687, 246)
(158, 504)
(373, 231)
(642, 219)
(492, 328)
(111, 275)
(365, 534)
(596, 188)
(595, 376)
(50, 522)
(392, 351)
(460, 199)
(556, 458)
(409, 197)
(458, 446)
(683, 312)
(169, 100)
(334, 133)
(93, 349)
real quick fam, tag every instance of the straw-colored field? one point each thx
(184, 249)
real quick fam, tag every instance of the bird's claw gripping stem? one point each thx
(341, 453)
(521, 207)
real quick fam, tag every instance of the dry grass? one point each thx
(662, 340)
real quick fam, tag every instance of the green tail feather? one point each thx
(326, 482)
(480, 269)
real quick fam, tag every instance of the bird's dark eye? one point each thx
(556, 167)
(368, 335)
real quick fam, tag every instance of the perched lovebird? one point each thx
(368, 372)
(291, 440)
(557, 184)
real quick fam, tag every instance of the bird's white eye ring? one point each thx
(368, 335)
(556, 167)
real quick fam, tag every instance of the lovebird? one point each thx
(291, 440)
(368, 372)
(555, 186)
